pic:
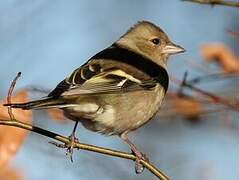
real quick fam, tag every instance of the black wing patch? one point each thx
(60, 88)
(78, 77)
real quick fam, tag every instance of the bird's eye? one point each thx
(156, 41)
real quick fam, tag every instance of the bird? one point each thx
(119, 89)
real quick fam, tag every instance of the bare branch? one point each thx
(215, 98)
(9, 95)
(215, 2)
(232, 33)
(83, 146)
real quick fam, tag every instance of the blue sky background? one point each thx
(46, 40)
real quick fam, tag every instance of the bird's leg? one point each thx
(69, 146)
(139, 156)
(73, 139)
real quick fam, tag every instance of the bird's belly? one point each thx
(121, 112)
(136, 109)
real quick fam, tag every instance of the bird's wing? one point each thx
(113, 70)
(84, 82)
(114, 81)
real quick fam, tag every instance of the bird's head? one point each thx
(150, 41)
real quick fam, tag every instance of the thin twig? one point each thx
(215, 2)
(9, 95)
(215, 98)
(212, 77)
(83, 146)
(233, 33)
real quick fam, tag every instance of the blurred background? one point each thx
(193, 136)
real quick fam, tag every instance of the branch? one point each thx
(215, 2)
(215, 98)
(83, 146)
(212, 77)
(233, 33)
(9, 95)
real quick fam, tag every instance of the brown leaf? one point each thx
(8, 173)
(187, 107)
(57, 115)
(222, 55)
(11, 138)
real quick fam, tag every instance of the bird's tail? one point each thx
(39, 104)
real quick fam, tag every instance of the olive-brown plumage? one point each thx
(120, 88)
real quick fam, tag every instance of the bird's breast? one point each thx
(128, 111)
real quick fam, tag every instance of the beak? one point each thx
(173, 49)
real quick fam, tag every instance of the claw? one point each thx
(69, 146)
(139, 168)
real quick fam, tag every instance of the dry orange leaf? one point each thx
(187, 107)
(11, 138)
(223, 55)
(57, 115)
(8, 173)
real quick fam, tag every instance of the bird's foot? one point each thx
(69, 146)
(139, 167)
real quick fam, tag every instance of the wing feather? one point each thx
(115, 81)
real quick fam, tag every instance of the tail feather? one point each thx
(39, 104)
